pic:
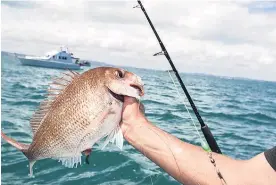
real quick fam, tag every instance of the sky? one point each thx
(225, 38)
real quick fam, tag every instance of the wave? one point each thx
(240, 114)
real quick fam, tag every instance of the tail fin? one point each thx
(20, 146)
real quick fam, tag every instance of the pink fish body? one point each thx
(80, 110)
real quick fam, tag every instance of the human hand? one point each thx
(132, 114)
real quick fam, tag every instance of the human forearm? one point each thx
(187, 163)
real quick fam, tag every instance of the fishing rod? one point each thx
(204, 128)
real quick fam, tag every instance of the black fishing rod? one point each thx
(205, 129)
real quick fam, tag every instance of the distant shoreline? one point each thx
(162, 70)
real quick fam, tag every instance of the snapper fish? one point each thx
(79, 110)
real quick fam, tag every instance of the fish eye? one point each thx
(120, 74)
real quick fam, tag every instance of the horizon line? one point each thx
(195, 73)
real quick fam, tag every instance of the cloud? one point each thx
(222, 38)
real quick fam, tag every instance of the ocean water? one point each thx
(241, 114)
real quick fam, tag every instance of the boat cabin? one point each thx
(63, 56)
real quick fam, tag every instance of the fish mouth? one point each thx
(139, 88)
(117, 96)
(120, 97)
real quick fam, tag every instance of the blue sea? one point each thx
(241, 114)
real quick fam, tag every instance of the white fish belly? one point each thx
(108, 125)
(105, 128)
(111, 122)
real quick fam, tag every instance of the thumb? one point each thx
(134, 104)
(129, 100)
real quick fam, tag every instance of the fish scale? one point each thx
(65, 134)
(80, 109)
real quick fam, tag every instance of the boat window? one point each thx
(63, 58)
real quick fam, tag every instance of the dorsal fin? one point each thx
(55, 88)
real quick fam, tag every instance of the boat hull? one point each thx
(48, 64)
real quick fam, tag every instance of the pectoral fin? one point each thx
(115, 136)
(87, 153)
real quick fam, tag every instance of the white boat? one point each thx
(62, 59)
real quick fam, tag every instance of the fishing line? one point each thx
(212, 144)
(181, 97)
